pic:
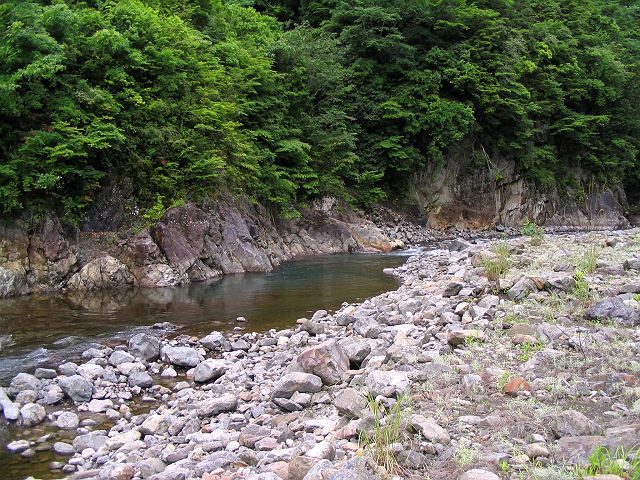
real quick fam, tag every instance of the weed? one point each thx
(582, 290)
(496, 267)
(531, 229)
(501, 249)
(504, 379)
(504, 466)
(602, 461)
(636, 297)
(589, 261)
(528, 349)
(466, 454)
(387, 431)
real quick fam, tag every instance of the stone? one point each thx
(516, 385)
(213, 341)
(10, 410)
(452, 289)
(45, 373)
(180, 356)
(93, 440)
(18, 446)
(326, 360)
(460, 337)
(119, 356)
(214, 406)
(68, 420)
(32, 414)
(296, 382)
(253, 433)
(209, 370)
(24, 381)
(571, 423)
(116, 471)
(324, 450)
(350, 402)
(356, 349)
(559, 281)
(77, 388)
(68, 369)
(522, 288)
(614, 309)
(63, 448)
(429, 429)
(140, 379)
(52, 394)
(145, 347)
(632, 264)
(478, 474)
(389, 383)
(100, 273)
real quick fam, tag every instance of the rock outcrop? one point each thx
(188, 244)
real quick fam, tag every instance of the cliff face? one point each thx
(457, 195)
(188, 244)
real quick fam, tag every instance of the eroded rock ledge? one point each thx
(188, 244)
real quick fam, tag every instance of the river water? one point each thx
(45, 330)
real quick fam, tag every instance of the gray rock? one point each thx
(45, 373)
(93, 440)
(559, 281)
(103, 272)
(452, 289)
(356, 349)
(296, 382)
(18, 446)
(253, 433)
(571, 423)
(11, 282)
(62, 448)
(327, 360)
(10, 410)
(77, 388)
(478, 474)
(99, 406)
(180, 356)
(214, 406)
(24, 381)
(68, 369)
(213, 341)
(632, 264)
(522, 288)
(68, 421)
(429, 429)
(32, 414)
(209, 370)
(118, 357)
(387, 383)
(140, 379)
(214, 461)
(145, 346)
(350, 402)
(614, 309)
(367, 327)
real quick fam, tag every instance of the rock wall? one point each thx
(459, 195)
(188, 244)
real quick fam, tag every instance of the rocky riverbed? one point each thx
(506, 359)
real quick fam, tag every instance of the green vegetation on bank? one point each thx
(289, 100)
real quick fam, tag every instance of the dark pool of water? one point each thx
(48, 329)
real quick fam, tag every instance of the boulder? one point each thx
(478, 474)
(214, 406)
(389, 383)
(350, 402)
(460, 337)
(93, 440)
(68, 421)
(327, 360)
(429, 429)
(77, 388)
(209, 370)
(32, 414)
(24, 381)
(118, 357)
(571, 423)
(522, 288)
(296, 382)
(180, 356)
(145, 346)
(614, 309)
(140, 379)
(559, 281)
(103, 272)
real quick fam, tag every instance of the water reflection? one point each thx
(45, 328)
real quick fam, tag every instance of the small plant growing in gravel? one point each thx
(528, 349)
(502, 249)
(531, 229)
(504, 379)
(466, 454)
(582, 290)
(388, 430)
(496, 267)
(636, 297)
(589, 261)
(603, 462)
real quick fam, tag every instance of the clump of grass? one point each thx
(603, 462)
(589, 261)
(582, 291)
(528, 349)
(496, 267)
(531, 229)
(504, 379)
(501, 249)
(466, 454)
(388, 430)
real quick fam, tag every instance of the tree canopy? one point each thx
(287, 100)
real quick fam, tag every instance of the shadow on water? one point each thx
(48, 329)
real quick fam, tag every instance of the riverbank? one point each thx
(510, 359)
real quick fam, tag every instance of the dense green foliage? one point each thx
(288, 100)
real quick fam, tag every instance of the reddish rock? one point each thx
(516, 385)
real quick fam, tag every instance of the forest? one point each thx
(289, 100)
